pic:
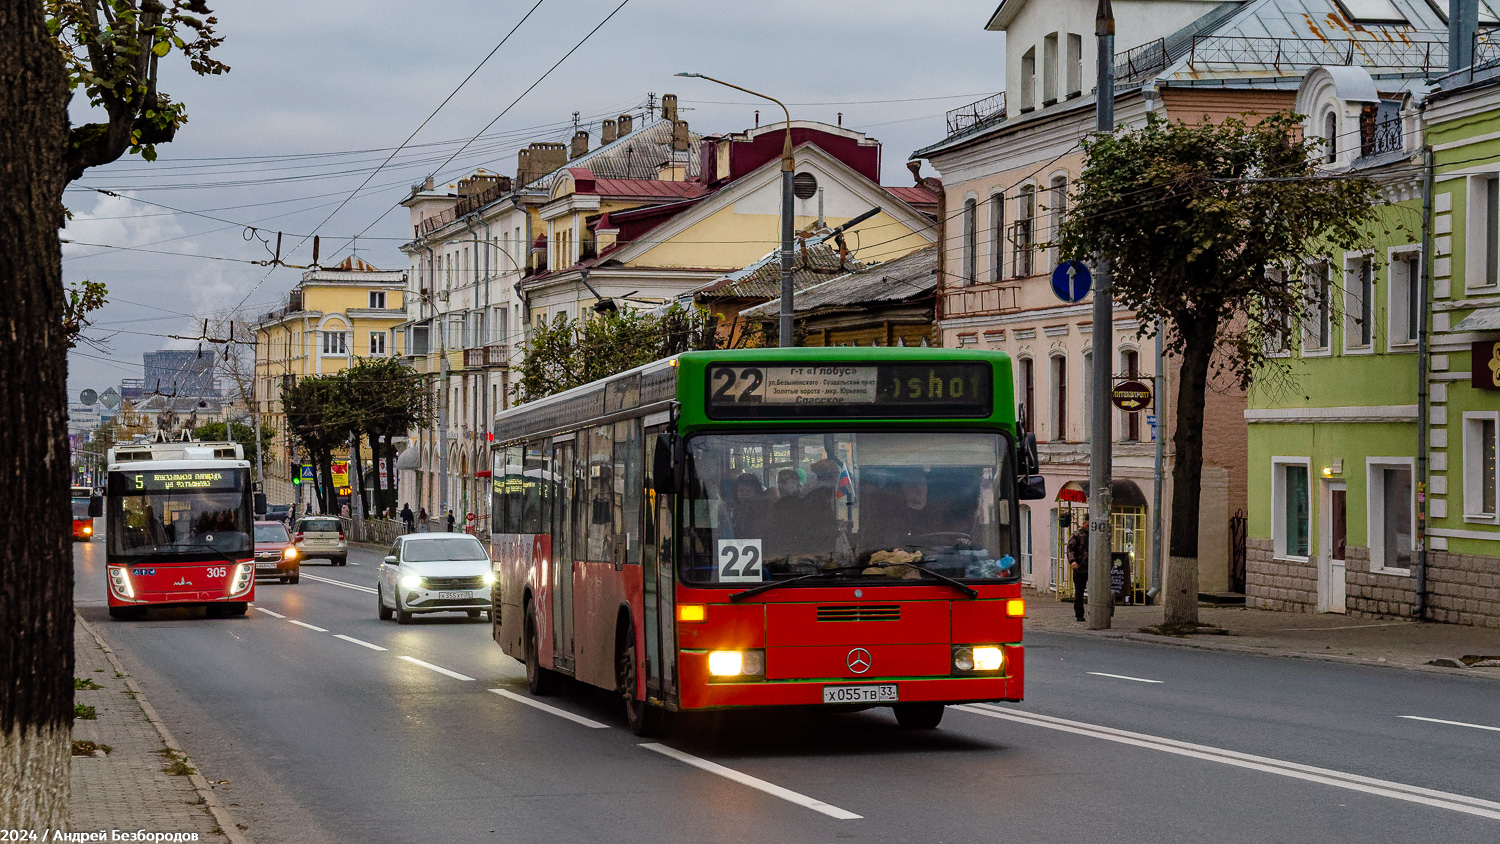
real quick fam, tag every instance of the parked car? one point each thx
(278, 513)
(434, 572)
(274, 552)
(322, 537)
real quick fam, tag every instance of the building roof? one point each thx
(916, 196)
(816, 262)
(633, 156)
(909, 277)
(648, 189)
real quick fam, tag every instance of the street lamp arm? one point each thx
(786, 148)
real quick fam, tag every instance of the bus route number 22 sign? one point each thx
(740, 561)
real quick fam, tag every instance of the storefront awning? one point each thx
(1124, 493)
(407, 460)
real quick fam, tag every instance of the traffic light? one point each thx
(296, 480)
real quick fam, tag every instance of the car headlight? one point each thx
(488, 578)
(289, 554)
(411, 581)
(736, 663)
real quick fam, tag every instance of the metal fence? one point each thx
(988, 110)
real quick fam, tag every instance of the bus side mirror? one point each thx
(1026, 457)
(1031, 488)
(260, 504)
(664, 465)
(96, 506)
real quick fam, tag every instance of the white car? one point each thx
(434, 572)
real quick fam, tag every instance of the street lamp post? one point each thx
(788, 170)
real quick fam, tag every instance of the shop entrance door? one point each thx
(1331, 568)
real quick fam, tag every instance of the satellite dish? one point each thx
(111, 398)
(88, 397)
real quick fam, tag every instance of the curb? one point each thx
(1174, 642)
(205, 791)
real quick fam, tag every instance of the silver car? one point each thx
(434, 572)
(322, 538)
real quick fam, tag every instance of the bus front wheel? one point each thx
(539, 681)
(642, 718)
(919, 716)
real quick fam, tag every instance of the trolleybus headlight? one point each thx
(737, 663)
(963, 659)
(411, 581)
(244, 575)
(121, 582)
(87, 529)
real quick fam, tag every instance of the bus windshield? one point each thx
(179, 513)
(877, 506)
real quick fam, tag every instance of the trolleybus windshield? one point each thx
(179, 511)
(761, 507)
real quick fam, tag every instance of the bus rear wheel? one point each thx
(919, 716)
(642, 718)
(539, 681)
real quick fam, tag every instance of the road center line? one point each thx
(1450, 723)
(271, 613)
(438, 668)
(1123, 677)
(308, 626)
(338, 583)
(754, 782)
(1339, 779)
(561, 713)
(360, 642)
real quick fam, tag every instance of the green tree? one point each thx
(1205, 228)
(570, 352)
(110, 49)
(385, 398)
(244, 435)
(83, 298)
(317, 419)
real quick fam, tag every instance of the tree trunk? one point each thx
(329, 496)
(36, 594)
(357, 473)
(390, 474)
(377, 489)
(1181, 595)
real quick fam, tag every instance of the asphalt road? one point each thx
(332, 726)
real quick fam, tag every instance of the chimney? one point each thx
(580, 145)
(538, 160)
(680, 136)
(607, 134)
(623, 122)
(669, 107)
(427, 183)
(606, 234)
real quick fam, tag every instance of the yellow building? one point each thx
(332, 318)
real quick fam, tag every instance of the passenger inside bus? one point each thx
(751, 514)
(903, 516)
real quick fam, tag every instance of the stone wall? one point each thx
(1463, 589)
(1278, 584)
(1375, 594)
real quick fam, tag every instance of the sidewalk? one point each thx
(144, 781)
(1323, 636)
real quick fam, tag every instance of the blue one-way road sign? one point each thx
(1071, 281)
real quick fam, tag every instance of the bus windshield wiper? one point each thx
(766, 587)
(956, 584)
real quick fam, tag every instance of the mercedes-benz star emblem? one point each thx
(858, 660)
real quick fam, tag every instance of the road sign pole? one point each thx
(1101, 452)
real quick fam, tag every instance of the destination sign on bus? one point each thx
(843, 389)
(177, 480)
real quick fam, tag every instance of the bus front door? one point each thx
(564, 472)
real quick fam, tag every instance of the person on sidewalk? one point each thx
(422, 518)
(1078, 561)
(408, 518)
(450, 521)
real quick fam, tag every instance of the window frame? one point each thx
(1359, 268)
(1473, 422)
(969, 269)
(996, 205)
(1319, 275)
(1278, 509)
(1057, 380)
(383, 344)
(1481, 238)
(342, 350)
(1025, 227)
(1375, 511)
(1403, 290)
(377, 296)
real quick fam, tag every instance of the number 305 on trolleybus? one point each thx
(770, 527)
(178, 528)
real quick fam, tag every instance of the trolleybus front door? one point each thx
(564, 474)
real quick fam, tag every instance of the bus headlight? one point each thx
(411, 581)
(737, 663)
(87, 530)
(978, 658)
(244, 576)
(120, 581)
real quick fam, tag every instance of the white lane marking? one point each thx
(1339, 779)
(308, 626)
(438, 668)
(754, 782)
(561, 713)
(1123, 677)
(1450, 723)
(338, 583)
(271, 613)
(359, 642)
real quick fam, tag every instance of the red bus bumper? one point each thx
(178, 584)
(83, 528)
(700, 690)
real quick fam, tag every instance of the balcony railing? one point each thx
(981, 113)
(1378, 136)
(494, 354)
(1231, 53)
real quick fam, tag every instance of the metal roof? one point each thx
(816, 262)
(912, 276)
(633, 156)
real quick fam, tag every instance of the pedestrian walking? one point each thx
(450, 521)
(1078, 561)
(408, 518)
(422, 519)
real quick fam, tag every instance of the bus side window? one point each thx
(514, 486)
(599, 503)
(628, 502)
(532, 483)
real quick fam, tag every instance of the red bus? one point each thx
(179, 528)
(772, 527)
(86, 505)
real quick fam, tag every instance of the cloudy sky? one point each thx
(320, 93)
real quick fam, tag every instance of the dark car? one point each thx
(278, 513)
(275, 555)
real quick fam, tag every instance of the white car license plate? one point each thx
(883, 693)
(455, 596)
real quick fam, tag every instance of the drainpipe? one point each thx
(1424, 401)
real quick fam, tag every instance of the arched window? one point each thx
(1025, 211)
(1028, 393)
(1059, 202)
(971, 241)
(1331, 135)
(1059, 398)
(997, 236)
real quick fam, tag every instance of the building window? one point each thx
(1025, 212)
(1075, 65)
(1479, 466)
(1028, 80)
(1391, 512)
(1318, 326)
(1028, 393)
(377, 299)
(1059, 398)
(1331, 137)
(1291, 511)
(1130, 364)
(335, 343)
(1059, 213)
(997, 236)
(1404, 310)
(1049, 69)
(971, 242)
(377, 344)
(1359, 303)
